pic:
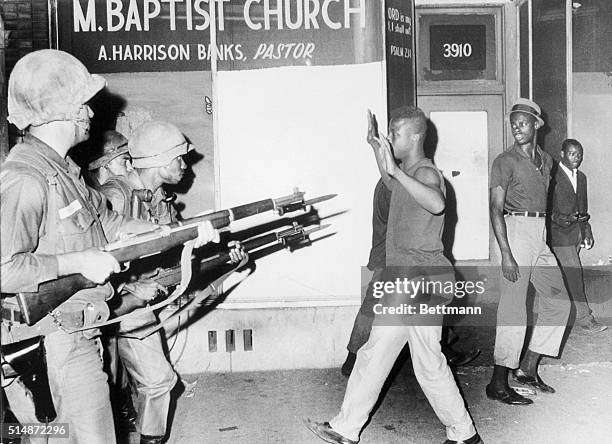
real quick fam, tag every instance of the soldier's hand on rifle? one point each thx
(145, 289)
(93, 263)
(206, 234)
(237, 252)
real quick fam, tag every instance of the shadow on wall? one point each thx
(106, 107)
(450, 213)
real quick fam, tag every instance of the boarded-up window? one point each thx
(27, 23)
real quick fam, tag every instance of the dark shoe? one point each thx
(507, 396)
(457, 359)
(148, 439)
(533, 381)
(347, 367)
(590, 325)
(324, 431)
(472, 440)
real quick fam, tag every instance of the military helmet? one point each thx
(156, 143)
(115, 144)
(49, 85)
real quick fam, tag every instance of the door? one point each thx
(466, 135)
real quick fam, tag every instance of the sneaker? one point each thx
(592, 326)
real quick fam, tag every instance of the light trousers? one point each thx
(538, 266)
(151, 373)
(79, 389)
(376, 359)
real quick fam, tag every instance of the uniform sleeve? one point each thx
(23, 206)
(116, 199)
(501, 173)
(111, 220)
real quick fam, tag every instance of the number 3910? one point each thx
(456, 50)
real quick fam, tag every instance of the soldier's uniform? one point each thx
(144, 360)
(47, 210)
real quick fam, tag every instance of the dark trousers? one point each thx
(571, 267)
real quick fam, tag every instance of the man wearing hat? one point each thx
(156, 149)
(518, 199)
(111, 172)
(53, 225)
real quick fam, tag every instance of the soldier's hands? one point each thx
(145, 290)
(206, 234)
(93, 263)
(237, 252)
(510, 268)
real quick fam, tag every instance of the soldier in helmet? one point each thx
(156, 149)
(53, 225)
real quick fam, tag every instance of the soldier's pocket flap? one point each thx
(78, 222)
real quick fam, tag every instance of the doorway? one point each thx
(465, 136)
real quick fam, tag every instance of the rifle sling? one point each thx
(178, 291)
(210, 290)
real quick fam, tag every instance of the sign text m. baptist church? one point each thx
(257, 14)
(173, 35)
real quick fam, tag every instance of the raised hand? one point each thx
(372, 136)
(386, 155)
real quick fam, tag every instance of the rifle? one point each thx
(35, 305)
(290, 238)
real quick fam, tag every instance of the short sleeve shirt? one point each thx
(526, 185)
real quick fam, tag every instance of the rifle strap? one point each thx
(178, 291)
(210, 290)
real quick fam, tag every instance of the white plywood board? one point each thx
(305, 127)
(462, 155)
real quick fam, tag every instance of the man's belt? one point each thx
(67, 319)
(525, 213)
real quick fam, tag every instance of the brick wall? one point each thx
(26, 24)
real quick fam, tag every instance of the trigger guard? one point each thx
(125, 266)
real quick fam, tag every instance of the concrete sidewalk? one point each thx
(267, 407)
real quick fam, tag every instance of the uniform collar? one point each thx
(66, 164)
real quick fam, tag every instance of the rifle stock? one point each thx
(35, 305)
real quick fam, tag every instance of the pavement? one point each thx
(268, 407)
